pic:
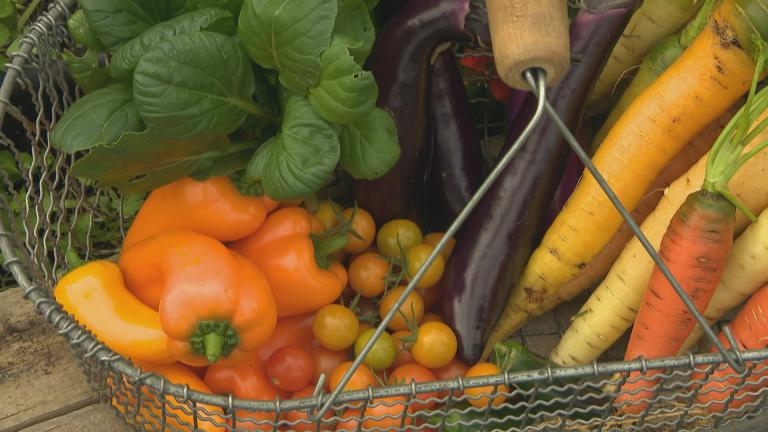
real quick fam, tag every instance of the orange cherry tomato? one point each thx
(335, 327)
(350, 421)
(387, 413)
(397, 236)
(450, 371)
(431, 317)
(299, 420)
(403, 347)
(364, 226)
(328, 212)
(417, 258)
(433, 238)
(409, 372)
(435, 345)
(412, 309)
(479, 397)
(325, 361)
(361, 379)
(367, 274)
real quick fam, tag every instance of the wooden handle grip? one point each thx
(529, 34)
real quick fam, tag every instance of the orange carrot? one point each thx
(750, 330)
(694, 248)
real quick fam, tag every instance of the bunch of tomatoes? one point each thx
(418, 346)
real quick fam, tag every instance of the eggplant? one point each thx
(498, 237)
(476, 24)
(400, 64)
(458, 167)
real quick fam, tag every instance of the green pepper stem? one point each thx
(213, 339)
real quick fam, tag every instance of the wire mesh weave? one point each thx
(48, 216)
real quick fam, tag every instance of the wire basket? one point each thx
(48, 218)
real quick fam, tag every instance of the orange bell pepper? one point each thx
(289, 331)
(213, 207)
(178, 415)
(95, 294)
(247, 381)
(214, 305)
(296, 260)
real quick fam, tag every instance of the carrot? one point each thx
(750, 331)
(745, 272)
(612, 307)
(694, 248)
(653, 21)
(710, 76)
(683, 161)
(658, 59)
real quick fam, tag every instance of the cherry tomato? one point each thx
(435, 345)
(350, 421)
(364, 327)
(300, 421)
(501, 92)
(431, 317)
(403, 344)
(433, 238)
(335, 327)
(386, 414)
(364, 226)
(408, 372)
(324, 361)
(429, 295)
(290, 368)
(417, 257)
(404, 231)
(327, 213)
(450, 371)
(367, 274)
(480, 396)
(383, 352)
(411, 311)
(477, 63)
(361, 379)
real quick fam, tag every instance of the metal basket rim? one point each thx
(66, 326)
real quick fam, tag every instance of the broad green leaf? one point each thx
(118, 21)
(302, 158)
(98, 118)
(194, 85)
(82, 33)
(288, 36)
(86, 71)
(229, 162)
(369, 147)
(143, 161)
(231, 6)
(355, 27)
(5, 34)
(127, 56)
(345, 93)
(7, 7)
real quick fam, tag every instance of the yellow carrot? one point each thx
(612, 307)
(708, 77)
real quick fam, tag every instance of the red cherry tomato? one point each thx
(290, 368)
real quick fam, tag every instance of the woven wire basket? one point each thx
(48, 218)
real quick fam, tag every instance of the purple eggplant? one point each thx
(497, 239)
(400, 64)
(458, 166)
(476, 24)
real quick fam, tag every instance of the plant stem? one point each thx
(27, 14)
(257, 111)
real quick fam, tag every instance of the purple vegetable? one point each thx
(476, 23)
(458, 166)
(497, 239)
(400, 65)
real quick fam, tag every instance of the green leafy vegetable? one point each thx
(301, 158)
(118, 21)
(197, 84)
(369, 148)
(354, 28)
(86, 71)
(288, 36)
(143, 161)
(98, 118)
(231, 6)
(8, 167)
(82, 33)
(345, 93)
(127, 56)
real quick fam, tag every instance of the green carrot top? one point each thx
(727, 154)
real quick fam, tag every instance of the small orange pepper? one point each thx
(178, 415)
(214, 304)
(95, 294)
(296, 261)
(213, 207)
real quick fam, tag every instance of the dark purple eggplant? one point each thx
(497, 239)
(458, 167)
(400, 64)
(476, 23)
